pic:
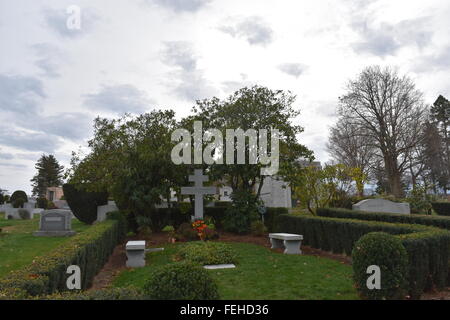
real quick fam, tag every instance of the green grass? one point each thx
(18, 246)
(263, 274)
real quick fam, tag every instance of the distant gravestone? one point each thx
(55, 223)
(382, 205)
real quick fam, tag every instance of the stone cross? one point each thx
(199, 191)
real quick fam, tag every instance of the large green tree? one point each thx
(49, 174)
(255, 108)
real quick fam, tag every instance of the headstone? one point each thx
(103, 210)
(199, 191)
(382, 205)
(135, 254)
(55, 223)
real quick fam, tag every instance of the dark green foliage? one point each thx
(207, 252)
(185, 232)
(50, 174)
(258, 228)
(18, 203)
(181, 281)
(222, 204)
(84, 204)
(19, 194)
(242, 212)
(271, 215)
(217, 214)
(24, 214)
(2, 198)
(161, 217)
(42, 203)
(427, 247)
(103, 294)
(388, 253)
(47, 274)
(441, 208)
(440, 222)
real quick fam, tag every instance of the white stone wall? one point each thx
(276, 193)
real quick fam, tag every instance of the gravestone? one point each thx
(55, 223)
(103, 210)
(382, 205)
(199, 191)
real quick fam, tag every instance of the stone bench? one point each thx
(290, 242)
(135, 254)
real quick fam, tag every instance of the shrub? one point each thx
(84, 204)
(19, 194)
(217, 214)
(2, 199)
(440, 222)
(181, 281)
(24, 214)
(204, 253)
(42, 203)
(186, 233)
(242, 212)
(18, 203)
(47, 274)
(427, 247)
(388, 253)
(161, 217)
(258, 228)
(222, 204)
(102, 294)
(271, 215)
(441, 208)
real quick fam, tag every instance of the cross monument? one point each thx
(199, 191)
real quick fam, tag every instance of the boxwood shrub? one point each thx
(427, 247)
(207, 252)
(388, 253)
(441, 208)
(47, 274)
(181, 281)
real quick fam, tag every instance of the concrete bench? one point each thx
(290, 242)
(135, 254)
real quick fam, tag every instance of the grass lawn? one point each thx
(18, 246)
(263, 274)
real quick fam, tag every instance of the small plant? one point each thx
(171, 233)
(24, 214)
(388, 253)
(258, 228)
(204, 253)
(186, 233)
(181, 281)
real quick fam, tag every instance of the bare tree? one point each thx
(351, 145)
(390, 108)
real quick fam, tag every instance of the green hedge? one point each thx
(441, 208)
(440, 222)
(427, 247)
(162, 217)
(47, 274)
(271, 215)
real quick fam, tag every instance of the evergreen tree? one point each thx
(50, 174)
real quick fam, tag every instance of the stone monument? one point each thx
(55, 223)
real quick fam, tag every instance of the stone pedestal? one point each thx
(135, 254)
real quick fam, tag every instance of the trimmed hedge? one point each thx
(207, 253)
(427, 247)
(162, 217)
(47, 274)
(19, 194)
(440, 222)
(441, 208)
(84, 204)
(271, 215)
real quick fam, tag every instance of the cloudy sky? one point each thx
(136, 55)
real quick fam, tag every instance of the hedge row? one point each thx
(47, 274)
(427, 247)
(441, 208)
(440, 222)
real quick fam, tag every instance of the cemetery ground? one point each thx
(18, 246)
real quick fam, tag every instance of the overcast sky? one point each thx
(137, 55)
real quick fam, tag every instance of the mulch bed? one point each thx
(117, 260)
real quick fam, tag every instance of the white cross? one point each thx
(198, 190)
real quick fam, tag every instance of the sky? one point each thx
(135, 56)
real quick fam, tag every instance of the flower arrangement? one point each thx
(200, 227)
